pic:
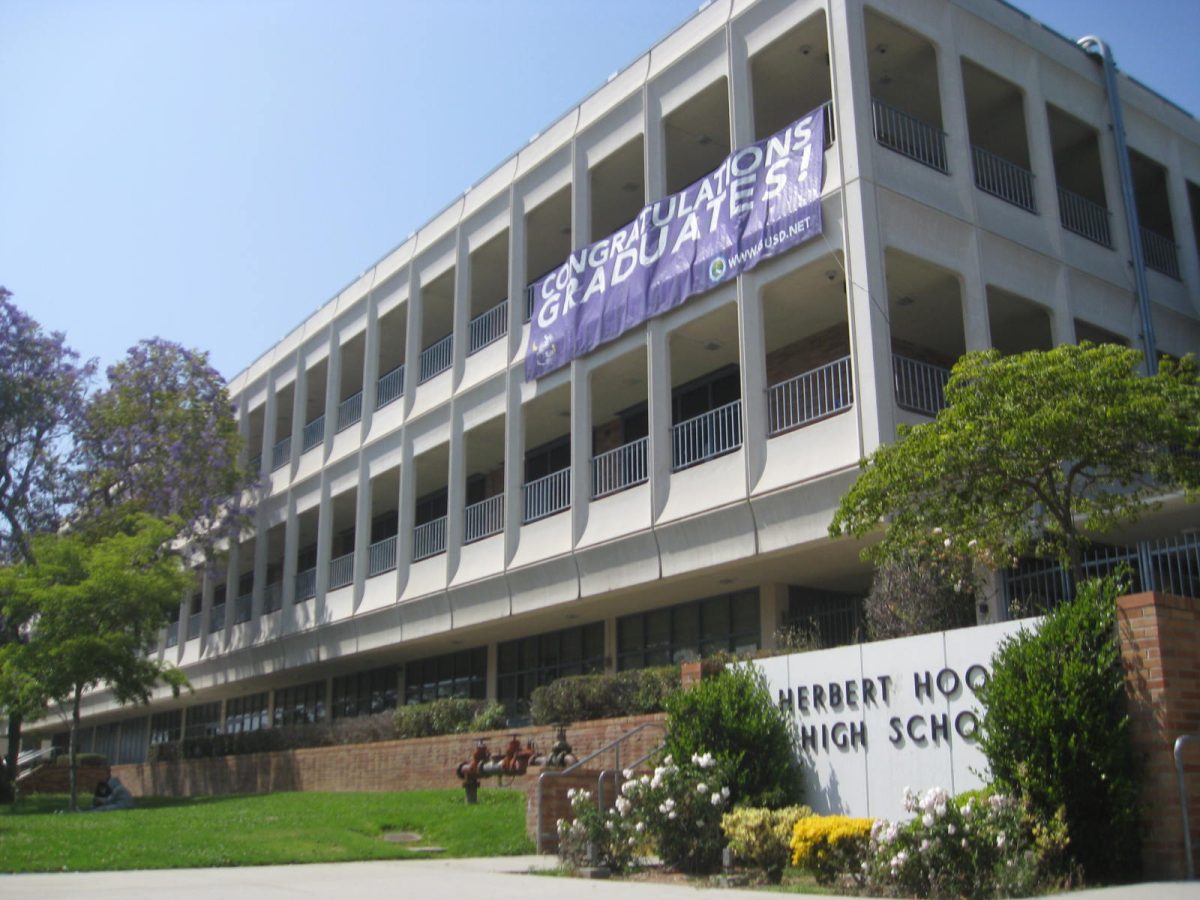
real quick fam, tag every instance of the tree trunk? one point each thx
(73, 750)
(9, 789)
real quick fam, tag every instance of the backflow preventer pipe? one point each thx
(1088, 45)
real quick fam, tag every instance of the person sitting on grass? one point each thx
(110, 795)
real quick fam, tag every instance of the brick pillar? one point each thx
(1160, 634)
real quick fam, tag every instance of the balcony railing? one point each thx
(706, 436)
(314, 433)
(429, 539)
(341, 571)
(530, 297)
(389, 387)
(173, 634)
(216, 618)
(1170, 565)
(810, 396)
(483, 519)
(281, 453)
(997, 176)
(243, 606)
(436, 358)
(620, 468)
(349, 411)
(306, 584)
(547, 496)
(1160, 253)
(273, 597)
(194, 625)
(1081, 216)
(488, 327)
(920, 387)
(909, 136)
(381, 557)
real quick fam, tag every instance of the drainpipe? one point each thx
(1089, 45)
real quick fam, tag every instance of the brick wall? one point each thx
(809, 353)
(56, 779)
(1160, 635)
(383, 766)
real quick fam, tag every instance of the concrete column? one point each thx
(1181, 220)
(514, 467)
(456, 491)
(581, 198)
(516, 272)
(362, 530)
(954, 113)
(299, 411)
(406, 515)
(333, 390)
(772, 607)
(492, 686)
(660, 449)
(370, 365)
(752, 359)
(1062, 320)
(232, 574)
(412, 341)
(1041, 150)
(581, 448)
(741, 103)
(324, 546)
(291, 556)
(461, 307)
(270, 411)
(656, 148)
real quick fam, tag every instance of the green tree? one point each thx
(1055, 729)
(95, 604)
(1032, 452)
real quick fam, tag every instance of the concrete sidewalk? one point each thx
(504, 878)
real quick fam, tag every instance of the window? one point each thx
(728, 622)
(824, 618)
(431, 507)
(166, 727)
(203, 720)
(530, 662)
(548, 458)
(246, 713)
(460, 674)
(365, 693)
(706, 393)
(300, 705)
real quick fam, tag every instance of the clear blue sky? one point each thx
(212, 171)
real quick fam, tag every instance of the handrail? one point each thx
(619, 769)
(1187, 827)
(539, 835)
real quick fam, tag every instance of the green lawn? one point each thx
(258, 830)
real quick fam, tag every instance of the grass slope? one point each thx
(258, 830)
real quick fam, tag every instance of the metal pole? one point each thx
(1183, 803)
(1088, 44)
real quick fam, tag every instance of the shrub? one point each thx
(83, 759)
(450, 715)
(761, 838)
(603, 696)
(976, 845)
(1055, 729)
(680, 806)
(935, 587)
(829, 846)
(592, 837)
(733, 716)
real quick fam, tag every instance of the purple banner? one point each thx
(762, 200)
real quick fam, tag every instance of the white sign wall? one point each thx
(876, 718)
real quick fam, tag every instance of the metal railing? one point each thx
(1084, 217)
(1160, 253)
(436, 358)
(243, 608)
(909, 136)
(706, 436)
(306, 584)
(488, 327)
(1170, 565)
(349, 411)
(483, 519)
(997, 176)
(273, 597)
(429, 539)
(530, 297)
(341, 571)
(313, 434)
(194, 625)
(216, 618)
(389, 387)
(172, 634)
(613, 746)
(548, 495)
(920, 386)
(619, 468)
(810, 396)
(381, 556)
(281, 453)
